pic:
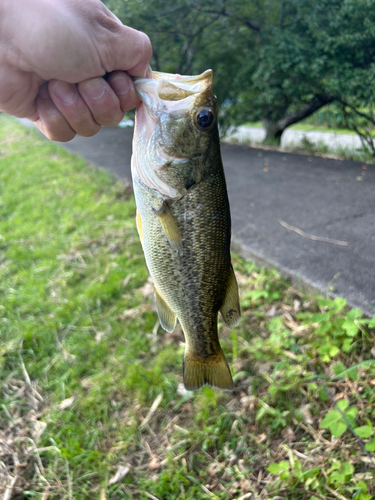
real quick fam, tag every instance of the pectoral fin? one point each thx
(139, 226)
(167, 317)
(171, 229)
(230, 310)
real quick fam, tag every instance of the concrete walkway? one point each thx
(324, 198)
(293, 138)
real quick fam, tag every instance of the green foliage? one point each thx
(293, 475)
(282, 467)
(337, 424)
(313, 55)
(333, 117)
(190, 37)
(334, 420)
(273, 60)
(336, 328)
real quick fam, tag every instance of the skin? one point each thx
(53, 57)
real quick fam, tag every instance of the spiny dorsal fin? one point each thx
(213, 371)
(167, 317)
(230, 310)
(171, 229)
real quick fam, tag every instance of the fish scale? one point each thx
(194, 283)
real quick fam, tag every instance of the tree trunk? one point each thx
(275, 129)
(273, 133)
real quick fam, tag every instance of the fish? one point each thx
(183, 217)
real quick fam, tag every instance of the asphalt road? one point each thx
(321, 197)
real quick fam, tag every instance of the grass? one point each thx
(91, 398)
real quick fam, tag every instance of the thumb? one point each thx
(131, 52)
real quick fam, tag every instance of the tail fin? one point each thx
(213, 371)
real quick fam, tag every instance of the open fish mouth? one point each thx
(165, 97)
(167, 93)
(171, 87)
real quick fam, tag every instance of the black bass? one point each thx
(183, 217)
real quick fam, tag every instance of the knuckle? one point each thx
(53, 119)
(129, 103)
(18, 108)
(17, 95)
(59, 135)
(110, 121)
(82, 123)
(88, 131)
(55, 126)
(109, 115)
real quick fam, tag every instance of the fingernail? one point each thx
(94, 89)
(64, 91)
(120, 85)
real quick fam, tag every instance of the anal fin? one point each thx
(167, 317)
(213, 371)
(171, 229)
(230, 310)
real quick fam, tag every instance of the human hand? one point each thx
(53, 57)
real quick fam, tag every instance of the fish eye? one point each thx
(204, 118)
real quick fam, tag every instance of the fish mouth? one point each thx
(169, 93)
(189, 84)
(164, 93)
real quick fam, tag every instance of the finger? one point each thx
(124, 49)
(141, 55)
(69, 102)
(132, 51)
(123, 87)
(102, 101)
(18, 91)
(51, 122)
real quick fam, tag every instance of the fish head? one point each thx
(174, 131)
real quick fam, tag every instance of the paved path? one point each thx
(326, 198)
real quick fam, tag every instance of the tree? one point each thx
(274, 60)
(319, 52)
(189, 37)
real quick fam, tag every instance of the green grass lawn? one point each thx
(91, 398)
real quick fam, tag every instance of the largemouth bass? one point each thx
(183, 217)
